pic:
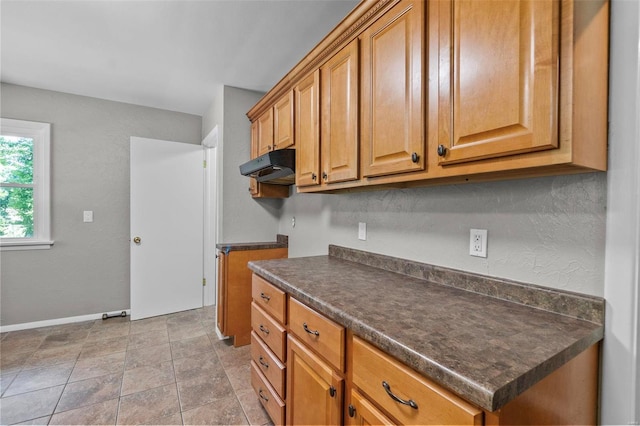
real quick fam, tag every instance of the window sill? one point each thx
(25, 245)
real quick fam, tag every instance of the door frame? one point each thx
(210, 226)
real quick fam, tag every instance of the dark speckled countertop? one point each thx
(282, 241)
(484, 348)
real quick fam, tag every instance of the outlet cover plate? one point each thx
(362, 231)
(478, 242)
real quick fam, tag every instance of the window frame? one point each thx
(41, 135)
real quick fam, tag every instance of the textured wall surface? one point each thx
(240, 218)
(547, 231)
(87, 270)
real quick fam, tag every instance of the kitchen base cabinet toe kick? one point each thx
(335, 357)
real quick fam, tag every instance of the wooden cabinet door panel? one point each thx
(339, 126)
(498, 78)
(362, 412)
(283, 122)
(310, 398)
(265, 132)
(392, 92)
(307, 130)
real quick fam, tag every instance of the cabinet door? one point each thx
(392, 92)
(283, 122)
(222, 291)
(339, 126)
(265, 132)
(498, 78)
(254, 139)
(307, 131)
(314, 390)
(361, 412)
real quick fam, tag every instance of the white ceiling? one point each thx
(164, 54)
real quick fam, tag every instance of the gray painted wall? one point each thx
(87, 270)
(546, 231)
(240, 218)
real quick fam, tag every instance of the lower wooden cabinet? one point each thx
(334, 377)
(234, 291)
(406, 396)
(362, 412)
(314, 389)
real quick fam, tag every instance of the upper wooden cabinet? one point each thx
(392, 91)
(283, 122)
(517, 88)
(339, 115)
(450, 91)
(273, 129)
(307, 131)
(498, 78)
(264, 133)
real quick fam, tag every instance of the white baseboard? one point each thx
(58, 321)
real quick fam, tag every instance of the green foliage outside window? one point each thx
(16, 187)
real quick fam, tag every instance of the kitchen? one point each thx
(565, 247)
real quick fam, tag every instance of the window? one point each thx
(24, 185)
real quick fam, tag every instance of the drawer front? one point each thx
(270, 331)
(268, 363)
(318, 332)
(269, 298)
(434, 405)
(267, 396)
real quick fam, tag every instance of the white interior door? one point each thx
(166, 227)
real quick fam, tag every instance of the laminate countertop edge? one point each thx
(512, 361)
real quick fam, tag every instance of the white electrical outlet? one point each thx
(362, 231)
(478, 242)
(87, 215)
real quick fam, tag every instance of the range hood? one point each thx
(275, 167)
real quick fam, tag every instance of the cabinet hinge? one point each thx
(204, 282)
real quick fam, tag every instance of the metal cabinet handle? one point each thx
(411, 403)
(313, 176)
(352, 411)
(137, 240)
(314, 332)
(264, 329)
(263, 396)
(332, 391)
(442, 150)
(324, 175)
(265, 297)
(261, 361)
(415, 157)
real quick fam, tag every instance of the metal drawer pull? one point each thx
(411, 403)
(352, 411)
(263, 396)
(264, 364)
(264, 329)
(265, 297)
(314, 332)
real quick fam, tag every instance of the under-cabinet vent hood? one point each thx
(275, 167)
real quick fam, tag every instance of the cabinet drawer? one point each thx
(269, 330)
(317, 332)
(268, 363)
(435, 405)
(267, 396)
(269, 298)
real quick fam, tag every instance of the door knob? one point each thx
(137, 240)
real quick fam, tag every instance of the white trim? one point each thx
(41, 135)
(58, 321)
(620, 388)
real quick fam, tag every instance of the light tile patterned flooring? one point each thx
(168, 370)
